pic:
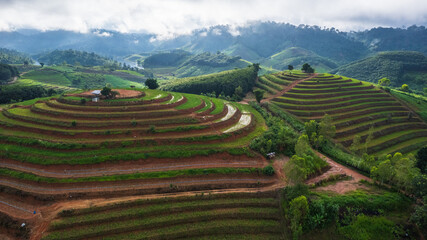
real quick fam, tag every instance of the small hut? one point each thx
(96, 94)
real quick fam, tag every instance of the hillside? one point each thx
(296, 57)
(68, 77)
(179, 63)
(243, 216)
(357, 108)
(144, 142)
(74, 57)
(401, 67)
(223, 83)
(8, 56)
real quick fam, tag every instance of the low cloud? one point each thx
(169, 18)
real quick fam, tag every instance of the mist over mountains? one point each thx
(255, 42)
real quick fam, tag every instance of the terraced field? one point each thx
(355, 107)
(152, 143)
(231, 216)
(276, 82)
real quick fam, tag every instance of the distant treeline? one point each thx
(8, 56)
(224, 83)
(14, 93)
(7, 72)
(73, 57)
(183, 58)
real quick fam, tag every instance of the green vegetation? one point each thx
(179, 63)
(13, 93)
(151, 83)
(346, 216)
(7, 72)
(122, 177)
(366, 119)
(205, 215)
(401, 67)
(223, 83)
(8, 56)
(295, 57)
(59, 57)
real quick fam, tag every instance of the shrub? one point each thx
(73, 123)
(268, 170)
(405, 88)
(369, 228)
(83, 101)
(259, 94)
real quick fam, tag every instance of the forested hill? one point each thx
(252, 42)
(8, 56)
(7, 72)
(73, 57)
(179, 63)
(223, 83)
(401, 67)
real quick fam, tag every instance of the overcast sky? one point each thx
(169, 17)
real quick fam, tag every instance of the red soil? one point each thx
(340, 187)
(128, 167)
(122, 93)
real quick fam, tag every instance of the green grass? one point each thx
(147, 175)
(416, 102)
(148, 208)
(192, 101)
(219, 106)
(49, 77)
(117, 82)
(131, 72)
(202, 227)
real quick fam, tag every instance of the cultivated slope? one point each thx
(153, 142)
(356, 107)
(232, 216)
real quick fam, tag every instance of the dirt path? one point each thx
(339, 187)
(335, 169)
(289, 87)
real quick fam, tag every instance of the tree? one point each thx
(259, 95)
(295, 170)
(311, 127)
(238, 92)
(302, 147)
(384, 82)
(5, 74)
(422, 160)
(26, 63)
(290, 68)
(151, 83)
(326, 128)
(383, 172)
(41, 64)
(405, 88)
(108, 93)
(307, 68)
(369, 138)
(298, 210)
(355, 146)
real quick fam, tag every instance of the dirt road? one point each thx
(289, 87)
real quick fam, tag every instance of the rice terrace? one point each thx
(130, 128)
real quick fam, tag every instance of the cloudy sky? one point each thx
(173, 17)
